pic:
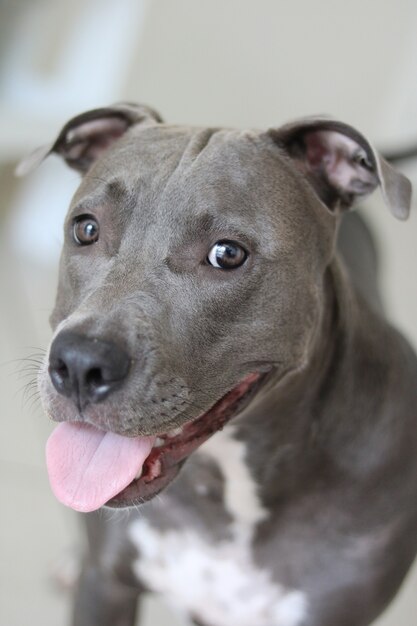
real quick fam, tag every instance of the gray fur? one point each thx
(331, 436)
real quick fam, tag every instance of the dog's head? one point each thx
(193, 268)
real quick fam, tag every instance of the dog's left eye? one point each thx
(227, 255)
(85, 230)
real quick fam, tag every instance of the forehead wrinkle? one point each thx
(198, 143)
(111, 193)
(117, 190)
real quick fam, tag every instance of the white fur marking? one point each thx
(218, 582)
(240, 497)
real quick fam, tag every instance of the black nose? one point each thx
(85, 369)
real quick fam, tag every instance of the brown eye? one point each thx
(85, 230)
(227, 255)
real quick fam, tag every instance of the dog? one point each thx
(219, 340)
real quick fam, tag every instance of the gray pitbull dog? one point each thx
(205, 312)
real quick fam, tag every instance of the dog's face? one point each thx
(159, 281)
(193, 265)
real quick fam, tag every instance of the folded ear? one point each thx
(341, 164)
(85, 137)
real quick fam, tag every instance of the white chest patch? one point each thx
(240, 497)
(218, 583)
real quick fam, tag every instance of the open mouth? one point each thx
(89, 468)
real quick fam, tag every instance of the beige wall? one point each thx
(260, 62)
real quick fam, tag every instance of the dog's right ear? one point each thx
(85, 137)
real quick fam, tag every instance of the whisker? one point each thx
(30, 395)
(25, 388)
(34, 400)
(25, 360)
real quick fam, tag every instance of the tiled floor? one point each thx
(36, 532)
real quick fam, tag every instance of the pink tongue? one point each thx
(87, 467)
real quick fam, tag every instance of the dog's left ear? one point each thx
(85, 137)
(341, 164)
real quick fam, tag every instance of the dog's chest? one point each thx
(218, 582)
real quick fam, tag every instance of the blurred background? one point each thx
(240, 63)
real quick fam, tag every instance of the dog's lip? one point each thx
(167, 457)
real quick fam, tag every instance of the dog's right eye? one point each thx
(227, 255)
(85, 230)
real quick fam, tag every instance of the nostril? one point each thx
(95, 378)
(61, 370)
(59, 373)
(96, 385)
